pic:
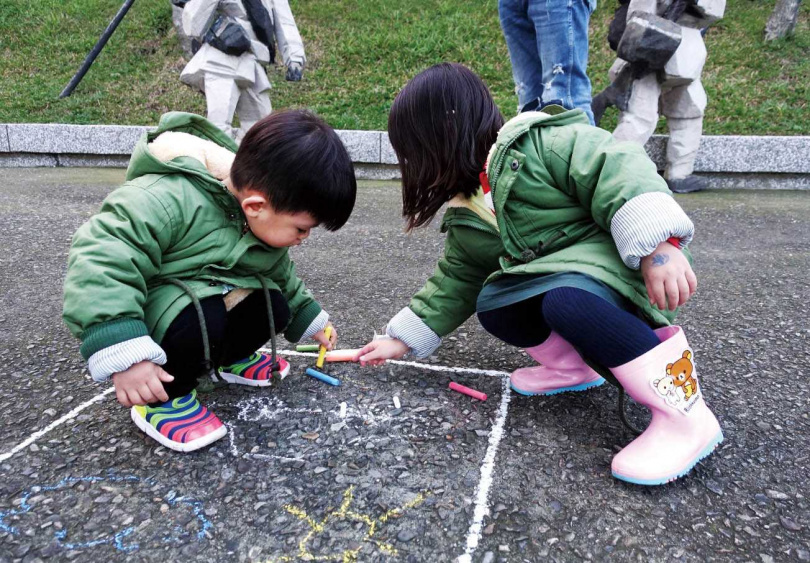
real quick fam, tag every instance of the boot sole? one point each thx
(575, 388)
(150, 431)
(239, 380)
(704, 453)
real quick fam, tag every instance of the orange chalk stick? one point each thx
(341, 355)
(467, 391)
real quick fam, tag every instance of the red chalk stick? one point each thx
(467, 391)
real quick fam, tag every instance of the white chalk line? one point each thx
(484, 485)
(420, 365)
(487, 468)
(39, 433)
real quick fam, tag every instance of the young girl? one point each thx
(569, 245)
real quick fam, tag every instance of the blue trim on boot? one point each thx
(580, 387)
(716, 441)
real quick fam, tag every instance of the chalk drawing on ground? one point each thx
(360, 418)
(126, 535)
(345, 513)
(256, 410)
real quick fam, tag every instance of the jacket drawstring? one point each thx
(209, 364)
(273, 360)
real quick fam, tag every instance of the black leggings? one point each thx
(232, 336)
(602, 331)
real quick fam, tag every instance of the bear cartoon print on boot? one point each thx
(683, 429)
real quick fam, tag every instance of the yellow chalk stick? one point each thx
(322, 352)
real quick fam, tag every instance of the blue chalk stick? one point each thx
(323, 377)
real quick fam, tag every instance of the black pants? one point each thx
(521, 324)
(232, 336)
(602, 331)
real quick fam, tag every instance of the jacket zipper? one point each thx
(501, 156)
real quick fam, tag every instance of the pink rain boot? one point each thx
(683, 429)
(563, 369)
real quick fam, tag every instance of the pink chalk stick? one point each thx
(341, 355)
(467, 391)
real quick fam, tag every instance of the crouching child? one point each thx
(186, 270)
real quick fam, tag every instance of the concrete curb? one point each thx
(730, 161)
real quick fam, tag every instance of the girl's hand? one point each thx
(141, 384)
(377, 351)
(320, 337)
(668, 276)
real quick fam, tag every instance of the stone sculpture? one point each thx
(232, 41)
(660, 49)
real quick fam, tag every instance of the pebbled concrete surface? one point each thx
(295, 480)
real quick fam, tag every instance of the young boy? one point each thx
(180, 269)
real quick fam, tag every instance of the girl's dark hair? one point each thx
(441, 125)
(299, 163)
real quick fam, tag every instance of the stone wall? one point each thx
(729, 161)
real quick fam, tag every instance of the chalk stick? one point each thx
(467, 391)
(322, 352)
(323, 377)
(341, 355)
(307, 348)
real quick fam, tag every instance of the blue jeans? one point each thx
(548, 45)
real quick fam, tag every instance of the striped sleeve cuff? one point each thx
(413, 331)
(646, 221)
(317, 325)
(124, 355)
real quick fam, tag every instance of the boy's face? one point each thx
(278, 229)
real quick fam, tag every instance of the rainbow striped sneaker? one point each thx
(182, 424)
(256, 371)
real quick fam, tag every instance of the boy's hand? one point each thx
(377, 351)
(320, 337)
(141, 384)
(668, 276)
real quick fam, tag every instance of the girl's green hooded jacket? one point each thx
(556, 184)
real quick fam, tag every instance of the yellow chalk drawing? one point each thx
(343, 513)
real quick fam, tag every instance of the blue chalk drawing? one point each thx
(116, 540)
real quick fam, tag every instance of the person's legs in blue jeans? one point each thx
(548, 46)
(561, 27)
(519, 33)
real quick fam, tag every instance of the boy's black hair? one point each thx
(299, 163)
(441, 125)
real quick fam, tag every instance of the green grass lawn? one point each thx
(360, 54)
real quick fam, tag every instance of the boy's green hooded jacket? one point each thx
(171, 220)
(556, 184)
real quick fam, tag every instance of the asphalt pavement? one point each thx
(313, 472)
